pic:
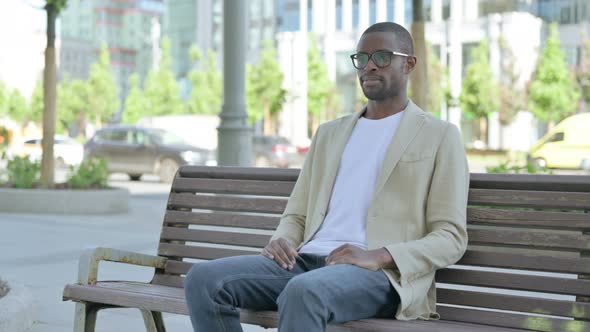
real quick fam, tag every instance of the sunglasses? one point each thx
(381, 59)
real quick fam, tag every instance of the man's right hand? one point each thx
(281, 252)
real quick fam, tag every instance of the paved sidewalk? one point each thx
(41, 252)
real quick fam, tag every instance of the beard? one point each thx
(385, 92)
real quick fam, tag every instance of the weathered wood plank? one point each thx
(542, 182)
(231, 186)
(217, 237)
(513, 303)
(526, 262)
(240, 173)
(562, 286)
(529, 239)
(530, 199)
(529, 218)
(221, 219)
(199, 252)
(227, 203)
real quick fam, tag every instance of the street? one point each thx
(41, 252)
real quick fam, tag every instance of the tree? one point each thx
(419, 77)
(36, 107)
(3, 98)
(103, 97)
(553, 91)
(512, 95)
(53, 8)
(264, 89)
(206, 81)
(479, 95)
(162, 95)
(438, 84)
(583, 71)
(134, 103)
(74, 104)
(16, 107)
(321, 91)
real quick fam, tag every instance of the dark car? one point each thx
(276, 151)
(138, 150)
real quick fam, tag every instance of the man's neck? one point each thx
(381, 109)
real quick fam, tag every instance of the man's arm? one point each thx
(446, 209)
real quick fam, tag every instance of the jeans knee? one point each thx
(300, 290)
(199, 280)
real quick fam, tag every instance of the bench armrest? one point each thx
(88, 267)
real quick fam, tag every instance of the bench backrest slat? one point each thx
(526, 233)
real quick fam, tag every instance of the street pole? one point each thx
(234, 134)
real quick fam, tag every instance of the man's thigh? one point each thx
(249, 282)
(351, 292)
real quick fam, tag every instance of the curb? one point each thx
(16, 309)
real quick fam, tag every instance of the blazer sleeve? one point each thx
(292, 224)
(446, 209)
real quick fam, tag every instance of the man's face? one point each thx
(383, 83)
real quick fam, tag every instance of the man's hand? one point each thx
(281, 252)
(373, 260)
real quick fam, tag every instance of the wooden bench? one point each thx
(526, 267)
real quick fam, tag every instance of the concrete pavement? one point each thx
(41, 252)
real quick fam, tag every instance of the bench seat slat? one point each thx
(221, 219)
(217, 237)
(170, 299)
(541, 182)
(239, 173)
(230, 186)
(227, 203)
(530, 199)
(513, 303)
(541, 219)
(511, 320)
(532, 283)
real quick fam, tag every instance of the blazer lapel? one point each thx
(408, 128)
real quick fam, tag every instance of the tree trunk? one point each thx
(267, 121)
(419, 78)
(483, 127)
(49, 100)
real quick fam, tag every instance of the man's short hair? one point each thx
(401, 34)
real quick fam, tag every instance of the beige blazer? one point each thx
(418, 212)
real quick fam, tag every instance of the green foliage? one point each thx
(4, 140)
(91, 173)
(479, 95)
(36, 107)
(17, 108)
(553, 92)
(59, 4)
(319, 85)
(73, 98)
(264, 86)
(135, 107)
(103, 99)
(3, 98)
(161, 91)
(22, 172)
(206, 81)
(507, 167)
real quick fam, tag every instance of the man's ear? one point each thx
(410, 64)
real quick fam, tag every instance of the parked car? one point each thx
(66, 150)
(140, 150)
(567, 145)
(276, 151)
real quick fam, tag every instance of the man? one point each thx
(379, 205)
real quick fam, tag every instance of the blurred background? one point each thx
(140, 81)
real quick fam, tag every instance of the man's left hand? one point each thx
(373, 260)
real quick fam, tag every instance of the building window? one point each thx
(355, 13)
(309, 15)
(372, 11)
(409, 18)
(338, 15)
(390, 10)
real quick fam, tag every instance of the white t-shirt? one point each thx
(354, 187)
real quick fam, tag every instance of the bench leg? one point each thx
(85, 317)
(153, 321)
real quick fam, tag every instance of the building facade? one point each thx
(129, 28)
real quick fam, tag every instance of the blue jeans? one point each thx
(307, 298)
